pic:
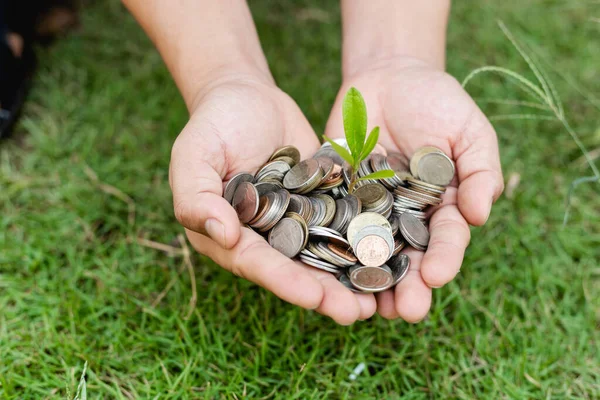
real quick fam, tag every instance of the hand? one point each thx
(417, 105)
(235, 126)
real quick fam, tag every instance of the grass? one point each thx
(86, 177)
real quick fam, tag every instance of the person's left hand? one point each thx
(417, 105)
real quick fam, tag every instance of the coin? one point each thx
(436, 168)
(379, 163)
(397, 161)
(333, 179)
(413, 230)
(371, 279)
(328, 151)
(414, 160)
(265, 187)
(276, 204)
(273, 170)
(245, 201)
(263, 205)
(399, 266)
(287, 237)
(302, 222)
(320, 264)
(303, 176)
(371, 194)
(343, 252)
(399, 244)
(372, 250)
(287, 151)
(233, 183)
(341, 210)
(345, 280)
(363, 220)
(329, 212)
(327, 166)
(328, 235)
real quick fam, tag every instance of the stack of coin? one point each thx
(271, 208)
(378, 163)
(432, 165)
(304, 210)
(303, 177)
(375, 197)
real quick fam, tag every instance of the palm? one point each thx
(235, 128)
(242, 124)
(414, 106)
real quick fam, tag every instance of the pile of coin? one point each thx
(304, 209)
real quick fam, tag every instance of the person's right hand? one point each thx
(235, 126)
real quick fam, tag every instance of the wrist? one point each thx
(381, 31)
(196, 82)
(202, 41)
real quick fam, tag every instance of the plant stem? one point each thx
(353, 180)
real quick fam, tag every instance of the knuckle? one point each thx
(239, 262)
(183, 215)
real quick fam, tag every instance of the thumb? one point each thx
(479, 170)
(196, 159)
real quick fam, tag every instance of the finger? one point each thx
(412, 295)
(450, 236)
(479, 170)
(337, 302)
(195, 178)
(253, 259)
(368, 305)
(386, 306)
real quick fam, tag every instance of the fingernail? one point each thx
(216, 231)
(489, 210)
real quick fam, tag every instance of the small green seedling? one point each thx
(354, 112)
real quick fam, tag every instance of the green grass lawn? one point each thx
(84, 181)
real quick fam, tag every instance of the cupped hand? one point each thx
(235, 126)
(417, 105)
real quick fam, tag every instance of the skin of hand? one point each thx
(416, 104)
(235, 126)
(238, 117)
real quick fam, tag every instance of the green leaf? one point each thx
(340, 150)
(370, 143)
(384, 173)
(354, 112)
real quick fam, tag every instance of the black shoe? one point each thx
(15, 80)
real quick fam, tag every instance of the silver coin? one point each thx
(287, 237)
(290, 152)
(233, 183)
(328, 235)
(395, 224)
(302, 222)
(328, 255)
(371, 279)
(436, 168)
(273, 170)
(320, 264)
(303, 175)
(329, 209)
(341, 215)
(266, 187)
(399, 266)
(345, 280)
(363, 220)
(413, 230)
(374, 230)
(414, 160)
(327, 166)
